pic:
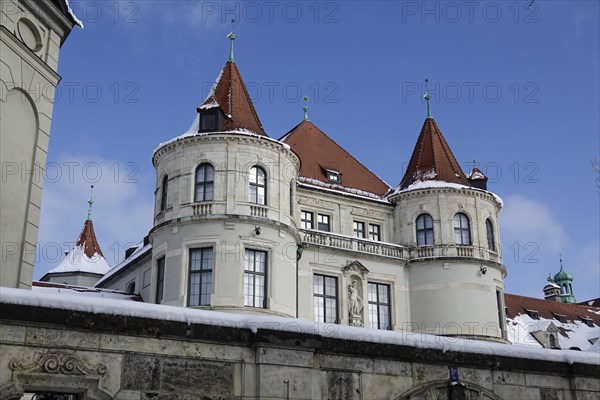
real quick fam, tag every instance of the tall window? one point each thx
(424, 225)
(306, 220)
(489, 230)
(325, 299)
(359, 229)
(258, 185)
(379, 306)
(200, 281)
(160, 280)
(208, 120)
(501, 317)
(255, 278)
(462, 230)
(323, 223)
(374, 232)
(164, 190)
(204, 185)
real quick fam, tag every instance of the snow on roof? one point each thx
(429, 184)
(253, 322)
(339, 189)
(572, 333)
(77, 261)
(72, 290)
(140, 251)
(72, 14)
(194, 128)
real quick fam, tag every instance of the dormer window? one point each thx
(208, 121)
(334, 176)
(561, 318)
(587, 321)
(533, 314)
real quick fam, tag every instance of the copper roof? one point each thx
(432, 159)
(319, 153)
(232, 97)
(548, 309)
(87, 239)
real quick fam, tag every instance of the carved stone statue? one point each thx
(355, 304)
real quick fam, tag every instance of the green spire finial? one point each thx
(306, 108)
(90, 202)
(231, 37)
(427, 97)
(560, 258)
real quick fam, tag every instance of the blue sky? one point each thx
(514, 87)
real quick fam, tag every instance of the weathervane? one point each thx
(427, 97)
(231, 37)
(306, 108)
(90, 202)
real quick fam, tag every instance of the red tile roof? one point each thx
(592, 302)
(231, 95)
(432, 159)
(516, 305)
(319, 153)
(87, 238)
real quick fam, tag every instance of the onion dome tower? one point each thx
(450, 224)
(84, 264)
(564, 280)
(224, 235)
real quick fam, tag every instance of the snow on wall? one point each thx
(254, 322)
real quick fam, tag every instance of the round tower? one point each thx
(224, 236)
(449, 222)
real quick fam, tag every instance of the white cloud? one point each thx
(122, 208)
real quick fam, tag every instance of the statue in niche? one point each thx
(355, 304)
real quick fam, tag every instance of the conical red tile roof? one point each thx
(87, 239)
(319, 153)
(432, 159)
(230, 94)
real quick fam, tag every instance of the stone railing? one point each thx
(341, 242)
(202, 208)
(458, 251)
(258, 211)
(353, 244)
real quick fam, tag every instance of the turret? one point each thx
(450, 224)
(565, 281)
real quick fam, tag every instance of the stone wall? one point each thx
(107, 356)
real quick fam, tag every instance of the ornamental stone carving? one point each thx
(57, 362)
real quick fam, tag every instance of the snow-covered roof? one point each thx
(77, 261)
(254, 322)
(430, 184)
(73, 290)
(137, 253)
(72, 14)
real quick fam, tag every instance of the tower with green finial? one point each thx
(231, 37)
(427, 97)
(565, 280)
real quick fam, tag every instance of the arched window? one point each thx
(552, 341)
(164, 190)
(462, 229)
(489, 230)
(258, 185)
(204, 185)
(424, 225)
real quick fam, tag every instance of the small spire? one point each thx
(427, 97)
(306, 108)
(231, 37)
(90, 202)
(560, 258)
(475, 164)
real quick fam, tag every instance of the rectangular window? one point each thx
(379, 306)
(200, 281)
(160, 280)
(306, 220)
(325, 299)
(501, 318)
(375, 232)
(359, 229)
(255, 278)
(323, 223)
(209, 120)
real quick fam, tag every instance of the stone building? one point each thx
(298, 227)
(31, 34)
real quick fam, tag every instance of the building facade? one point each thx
(31, 34)
(298, 227)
